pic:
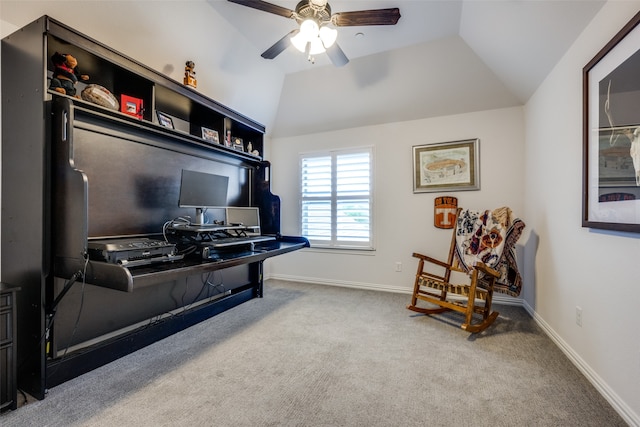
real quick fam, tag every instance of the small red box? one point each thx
(132, 106)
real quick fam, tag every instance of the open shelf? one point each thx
(189, 110)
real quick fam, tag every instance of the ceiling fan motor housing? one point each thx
(313, 9)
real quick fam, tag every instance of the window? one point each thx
(337, 198)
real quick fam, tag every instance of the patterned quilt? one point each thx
(490, 237)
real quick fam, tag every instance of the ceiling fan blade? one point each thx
(280, 45)
(266, 7)
(337, 56)
(366, 17)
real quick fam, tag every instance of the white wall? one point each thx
(403, 220)
(574, 266)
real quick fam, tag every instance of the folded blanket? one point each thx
(490, 237)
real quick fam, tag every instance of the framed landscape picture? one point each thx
(446, 166)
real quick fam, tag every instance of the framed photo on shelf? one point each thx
(131, 105)
(611, 134)
(210, 135)
(165, 120)
(446, 166)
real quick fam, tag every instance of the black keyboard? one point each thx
(223, 242)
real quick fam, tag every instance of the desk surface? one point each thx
(121, 278)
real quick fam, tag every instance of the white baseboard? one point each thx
(614, 400)
(627, 414)
(497, 299)
(341, 283)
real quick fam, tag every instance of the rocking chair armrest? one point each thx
(486, 269)
(431, 260)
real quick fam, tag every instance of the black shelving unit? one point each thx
(73, 171)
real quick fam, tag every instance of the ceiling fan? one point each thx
(316, 33)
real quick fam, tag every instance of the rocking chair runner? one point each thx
(480, 242)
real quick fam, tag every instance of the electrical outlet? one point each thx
(398, 266)
(578, 316)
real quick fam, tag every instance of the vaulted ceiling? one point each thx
(443, 57)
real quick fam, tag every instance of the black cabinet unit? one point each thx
(8, 387)
(76, 170)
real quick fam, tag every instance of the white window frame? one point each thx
(333, 242)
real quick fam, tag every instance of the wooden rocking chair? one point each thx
(474, 296)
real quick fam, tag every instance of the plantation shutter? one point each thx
(336, 196)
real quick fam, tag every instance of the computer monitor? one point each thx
(202, 191)
(246, 216)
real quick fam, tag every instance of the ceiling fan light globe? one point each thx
(316, 47)
(299, 42)
(328, 36)
(309, 29)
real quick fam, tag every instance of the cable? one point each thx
(184, 220)
(186, 288)
(213, 285)
(196, 299)
(78, 274)
(77, 322)
(51, 311)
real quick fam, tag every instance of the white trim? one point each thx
(497, 299)
(614, 400)
(339, 283)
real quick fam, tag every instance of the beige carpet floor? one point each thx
(313, 355)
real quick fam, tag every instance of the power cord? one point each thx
(214, 285)
(181, 220)
(51, 310)
(77, 322)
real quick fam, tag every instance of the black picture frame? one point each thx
(165, 120)
(210, 135)
(611, 134)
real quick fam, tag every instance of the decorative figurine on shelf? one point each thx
(65, 74)
(190, 74)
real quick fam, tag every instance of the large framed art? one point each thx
(446, 166)
(611, 120)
